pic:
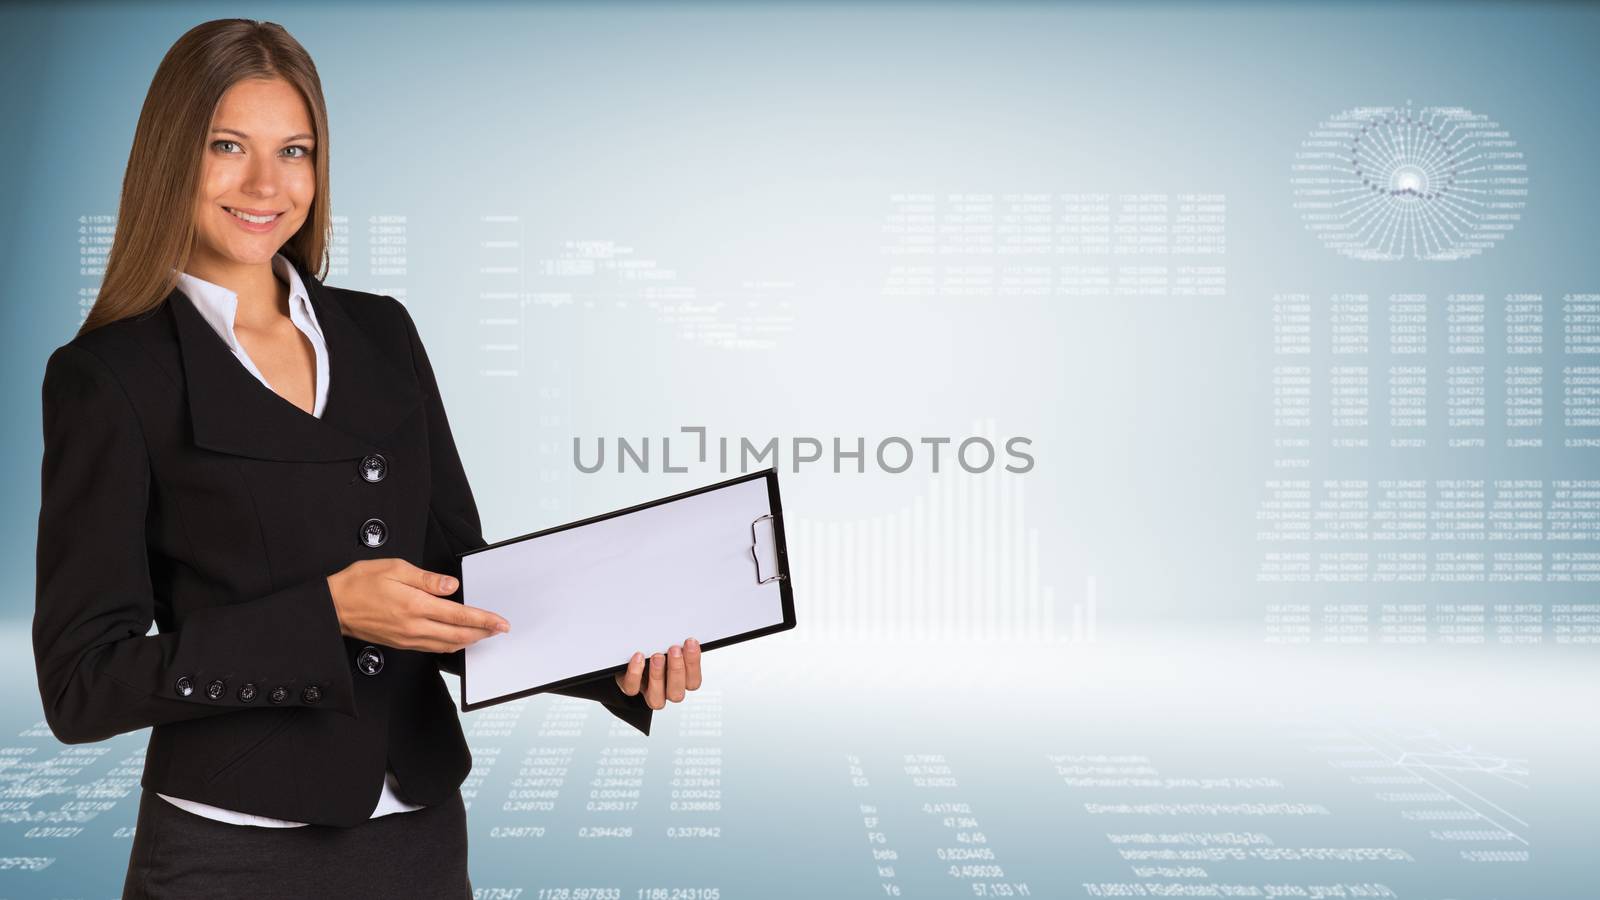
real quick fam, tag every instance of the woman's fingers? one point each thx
(667, 677)
(655, 694)
(442, 637)
(691, 662)
(453, 613)
(444, 626)
(675, 673)
(631, 680)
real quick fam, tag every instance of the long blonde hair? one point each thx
(155, 218)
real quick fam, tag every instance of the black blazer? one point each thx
(177, 488)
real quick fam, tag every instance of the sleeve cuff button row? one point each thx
(215, 690)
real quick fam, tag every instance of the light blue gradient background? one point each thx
(761, 143)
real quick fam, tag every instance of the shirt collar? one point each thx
(376, 389)
(219, 305)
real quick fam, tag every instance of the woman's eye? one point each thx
(304, 151)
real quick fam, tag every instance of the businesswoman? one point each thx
(260, 465)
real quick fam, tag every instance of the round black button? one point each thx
(216, 689)
(247, 692)
(279, 694)
(184, 686)
(374, 532)
(311, 694)
(370, 660)
(374, 467)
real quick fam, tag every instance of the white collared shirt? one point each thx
(218, 306)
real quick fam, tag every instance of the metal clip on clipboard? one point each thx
(759, 580)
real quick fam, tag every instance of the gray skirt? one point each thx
(177, 854)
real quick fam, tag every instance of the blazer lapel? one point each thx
(233, 412)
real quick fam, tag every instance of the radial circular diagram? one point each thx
(1392, 183)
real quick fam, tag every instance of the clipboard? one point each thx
(709, 563)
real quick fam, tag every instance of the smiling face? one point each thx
(258, 160)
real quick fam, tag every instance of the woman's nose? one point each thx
(261, 178)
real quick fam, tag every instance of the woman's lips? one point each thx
(254, 227)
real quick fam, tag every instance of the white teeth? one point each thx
(259, 220)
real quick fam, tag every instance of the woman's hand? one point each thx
(392, 602)
(670, 674)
